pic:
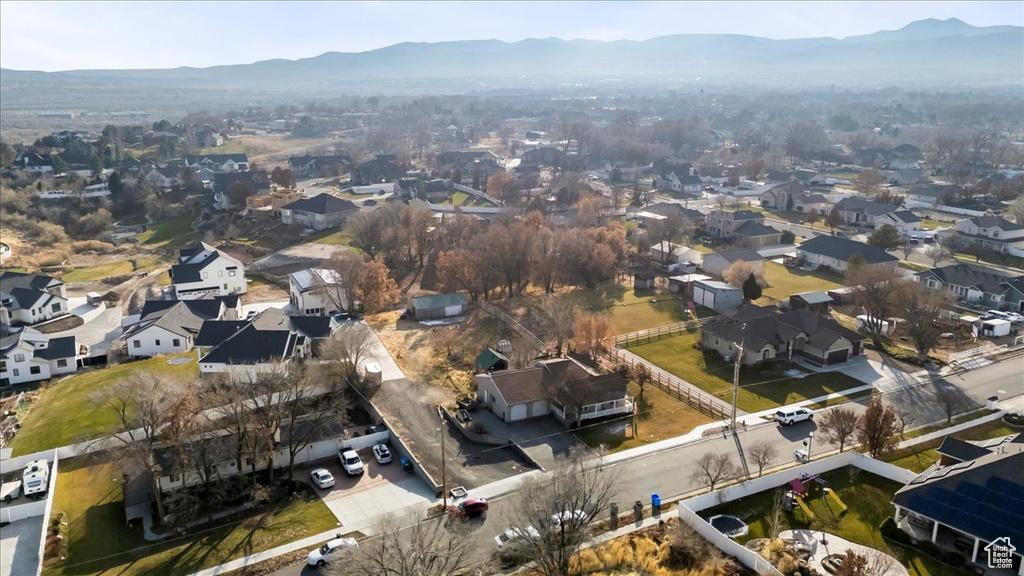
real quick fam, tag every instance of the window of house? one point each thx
(220, 273)
(3, 366)
(225, 286)
(55, 307)
(173, 477)
(62, 363)
(157, 343)
(231, 273)
(766, 354)
(34, 370)
(176, 342)
(19, 357)
(15, 371)
(137, 343)
(205, 275)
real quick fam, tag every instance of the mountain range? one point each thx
(927, 53)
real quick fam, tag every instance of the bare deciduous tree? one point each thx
(921, 308)
(590, 330)
(762, 454)
(838, 426)
(952, 401)
(424, 548)
(873, 291)
(935, 253)
(740, 270)
(712, 468)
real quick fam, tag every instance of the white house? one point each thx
(835, 253)
(270, 340)
(203, 270)
(219, 163)
(903, 220)
(30, 356)
(994, 233)
(317, 291)
(31, 298)
(171, 326)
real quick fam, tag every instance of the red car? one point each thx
(470, 508)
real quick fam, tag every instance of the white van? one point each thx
(36, 478)
(790, 416)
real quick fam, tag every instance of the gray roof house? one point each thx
(718, 262)
(320, 212)
(860, 211)
(835, 252)
(31, 298)
(972, 283)
(974, 495)
(768, 335)
(993, 233)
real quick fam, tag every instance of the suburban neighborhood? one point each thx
(553, 332)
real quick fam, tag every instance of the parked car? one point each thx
(470, 508)
(790, 416)
(331, 550)
(382, 454)
(512, 534)
(351, 462)
(574, 518)
(321, 478)
(370, 202)
(1015, 317)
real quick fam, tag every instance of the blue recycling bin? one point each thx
(655, 501)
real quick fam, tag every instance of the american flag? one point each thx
(974, 330)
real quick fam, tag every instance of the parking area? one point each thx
(381, 489)
(19, 542)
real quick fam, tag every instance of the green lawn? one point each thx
(633, 311)
(784, 281)
(161, 234)
(335, 237)
(659, 416)
(99, 542)
(929, 224)
(921, 456)
(73, 410)
(761, 387)
(867, 497)
(102, 271)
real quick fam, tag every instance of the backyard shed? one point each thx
(683, 284)
(813, 301)
(718, 296)
(438, 306)
(644, 279)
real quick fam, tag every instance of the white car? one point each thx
(574, 518)
(330, 551)
(321, 478)
(790, 416)
(351, 462)
(382, 454)
(512, 534)
(1014, 317)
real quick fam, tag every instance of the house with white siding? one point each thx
(31, 298)
(317, 292)
(993, 233)
(171, 326)
(203, 270)
(28, 356)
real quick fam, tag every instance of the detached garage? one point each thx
(439, 306)
(716, 295)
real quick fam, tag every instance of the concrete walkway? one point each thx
(833, 544)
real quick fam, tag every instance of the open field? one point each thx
(784, 281)
(73, 410)
(99, 542)
(118, 268)
(761, 388)
(659, 416)
(867, 497)
(169, 233)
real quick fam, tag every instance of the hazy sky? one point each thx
(73, 35)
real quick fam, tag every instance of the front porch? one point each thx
(923, 529)
(617, 407)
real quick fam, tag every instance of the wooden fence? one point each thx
(673, 385)
(659, 333)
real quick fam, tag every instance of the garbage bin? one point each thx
(614, 509)
(991, 405)
(655, 504)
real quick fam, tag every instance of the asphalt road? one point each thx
(666, 473)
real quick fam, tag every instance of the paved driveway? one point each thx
(19, 542)
(543, 439)
(101, 328)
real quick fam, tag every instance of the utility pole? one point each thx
(444, 478)
(736, 381)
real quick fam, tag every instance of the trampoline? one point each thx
(731, 526)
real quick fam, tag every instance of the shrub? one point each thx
(92, 246)
(787, 237)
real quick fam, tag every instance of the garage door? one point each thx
(838, 356)
(517, 412)
(539, 408)
(453, 310)
(704, 297)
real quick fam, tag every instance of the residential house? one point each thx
(803, 176)
(387, 188)
(743, 226)
(905, 157)
(562, 387)
(203, 270)
(28, 356)
(859, 211)
(666, 253)
(975, 284)
(903, 220)
(322, 166)
(219, 163)
(780, 197)
(907, 177)
(256, 182)
(31, 298)
(677, 178)
(755, 233)
(970, 503)
(930, 194)
(209, 139)
(383, 168)
(810, 202)
(435, 190)
(835, 253)
(33, 162)
(271, 339)
(438, 306)
(662, 210)
(718, 296)
(163, 178)
(543, 156)
(171, 326)
(716, 263)
(317, 292)
(473, 165)
(768, 335)
(993, 233)
(273, 202)
(320, 212)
